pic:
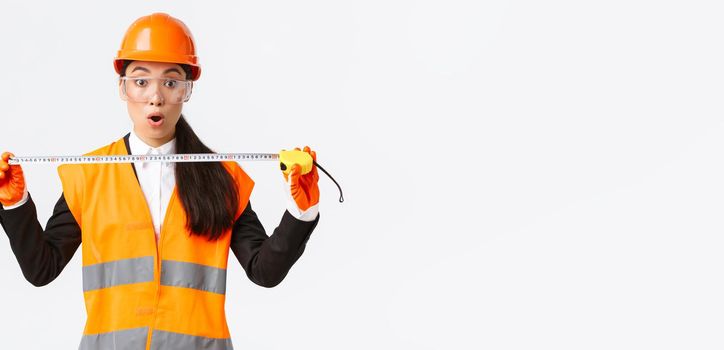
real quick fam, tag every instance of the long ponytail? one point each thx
(207, 190)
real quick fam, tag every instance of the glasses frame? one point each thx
(123, 81)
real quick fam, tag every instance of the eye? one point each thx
(140, 82)
(170, 83)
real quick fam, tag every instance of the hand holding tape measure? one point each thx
(298, 167)
(301, 176)
(12, 181)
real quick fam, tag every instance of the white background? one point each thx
(517, 174)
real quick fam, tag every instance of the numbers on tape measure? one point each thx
(188, 157)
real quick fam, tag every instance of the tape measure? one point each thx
(132, 158)
(286, 160)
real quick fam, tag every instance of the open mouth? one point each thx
(155, 119)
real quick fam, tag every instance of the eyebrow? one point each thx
(164, 72)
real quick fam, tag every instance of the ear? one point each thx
(120, 91)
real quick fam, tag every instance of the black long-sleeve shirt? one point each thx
(42, 254)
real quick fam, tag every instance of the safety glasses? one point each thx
(146, 89)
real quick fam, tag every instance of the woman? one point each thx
(156, 236)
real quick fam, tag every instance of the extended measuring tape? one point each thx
(286, 160)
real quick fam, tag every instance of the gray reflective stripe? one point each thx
(177, 341)
(117, 272)
(190, 275)
(127, 339)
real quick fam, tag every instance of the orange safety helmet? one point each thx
(159, 38)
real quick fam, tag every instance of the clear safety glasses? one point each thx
(145, 89)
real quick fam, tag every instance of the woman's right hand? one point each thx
(12, 181)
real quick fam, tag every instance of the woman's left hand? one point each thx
(303, 188)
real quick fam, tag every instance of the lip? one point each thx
(151, 114)
(154, 123)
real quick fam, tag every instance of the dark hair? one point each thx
(207, 191)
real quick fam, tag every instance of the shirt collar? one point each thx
(139, 147)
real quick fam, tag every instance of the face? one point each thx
(154, 121)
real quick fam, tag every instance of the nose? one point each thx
(156, 97)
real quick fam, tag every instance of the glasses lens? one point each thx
(141, 89)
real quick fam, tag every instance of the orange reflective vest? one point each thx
(140, 294)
